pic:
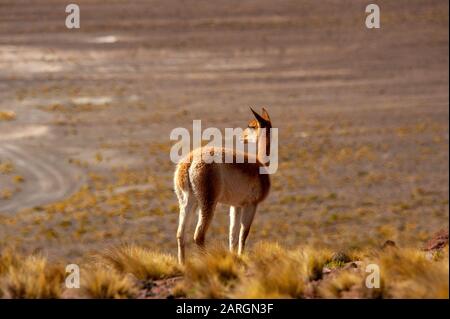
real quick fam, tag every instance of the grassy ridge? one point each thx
(267, 271)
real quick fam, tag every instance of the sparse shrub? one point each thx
(408, 273)
(143, 263)
(314, 261)
(30, 278)
(275, 273)
(179, 291)
(7, 260)
(213, 274)
(7, 115)
(18, 179)
(6, 167)
(404, 273)
(6, 194)
(341, 285)
(105, 283)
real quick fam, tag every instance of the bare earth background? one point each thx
(362, 115)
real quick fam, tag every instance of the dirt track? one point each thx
(363, 114)
(49, 178)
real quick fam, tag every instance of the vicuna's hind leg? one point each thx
(188, 205)
(205, 216)
(235, 223)
(248, 212)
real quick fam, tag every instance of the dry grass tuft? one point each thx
(345, 284)
(30, 277)
(280, 273)
(143, 263)
(213, 274)
(104, 283)
(8, 259)
(275, 273)
(179, 291)
(314, 260)
(6, 167)
(7, 115)
(409, 273)
(404, 273)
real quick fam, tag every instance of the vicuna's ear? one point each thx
(258, 117)
(265, 115)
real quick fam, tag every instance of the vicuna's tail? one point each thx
(181, 178)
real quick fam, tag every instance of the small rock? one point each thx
(438, 241)
(326, 270)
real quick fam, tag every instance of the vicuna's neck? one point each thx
(264, 146)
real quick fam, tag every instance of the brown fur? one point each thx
(209, 189)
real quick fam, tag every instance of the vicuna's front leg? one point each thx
(248, 212)
(235, 223)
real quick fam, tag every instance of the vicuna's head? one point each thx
(255, 127)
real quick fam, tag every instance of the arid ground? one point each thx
(85, 118)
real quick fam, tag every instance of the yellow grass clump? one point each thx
(105, 283)
(212, 274)
(404, 273)
(276, 273)
(6, 167)
(7, 115)
(410, 273)
(29, 277)
(280, 273)
(345, 284)
(143, 263)
(8, 259)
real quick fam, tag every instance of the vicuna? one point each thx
(202, 185)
